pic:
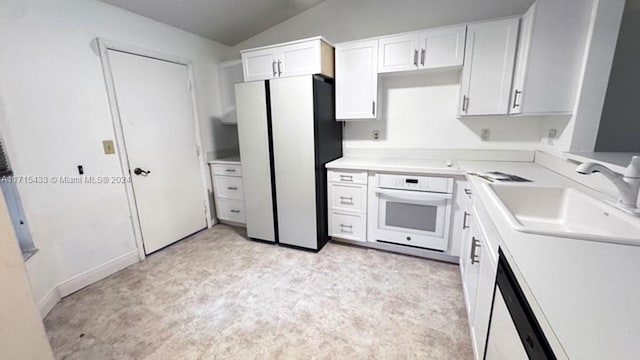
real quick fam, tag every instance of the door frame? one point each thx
(104, 46)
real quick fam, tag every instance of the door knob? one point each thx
(139, 171)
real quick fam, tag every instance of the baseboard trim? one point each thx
(47, 303)
(100, 272)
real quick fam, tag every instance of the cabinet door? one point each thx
(484, 297)
(259, 65)
(467, 219)
(299, 59)
(442, 48)
(398, 53)
(522, 56)
(357, 80)
(472, 268)
(488, 68)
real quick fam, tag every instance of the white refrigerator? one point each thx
(287, 133)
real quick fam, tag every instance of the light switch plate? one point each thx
(109, 148)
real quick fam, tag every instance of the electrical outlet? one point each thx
(108, 147)
(485, 134)
(552, 135)
(375, 134)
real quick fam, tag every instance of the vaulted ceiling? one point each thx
(225, 21)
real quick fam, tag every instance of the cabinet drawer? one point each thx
(230, 210)
(228, 187)
(348, 226)
(350, 197)
(348, 176)
(226, 170)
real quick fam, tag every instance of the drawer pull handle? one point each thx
(465, 226)
(230, 170)
(235, 211)
(346, 228)
(232, 188)
(346, 177)
(346, 200)
(475, 244)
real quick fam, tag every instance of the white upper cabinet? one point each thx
(429, 49)
(357, 80)
(303, 57)
(260, 64)
(443, 48)
(398, 53)
(550, 55)
(488, 68)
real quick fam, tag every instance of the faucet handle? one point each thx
(633, 170)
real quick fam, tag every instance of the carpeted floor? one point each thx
(217, 295)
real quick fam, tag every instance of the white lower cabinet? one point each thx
(350, 226)
(347, 198)
(230, 210)
(228, 192)
(484, 296)
(478, 264)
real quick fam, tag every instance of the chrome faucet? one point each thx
(628, 183)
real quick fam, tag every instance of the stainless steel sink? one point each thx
(564, 212)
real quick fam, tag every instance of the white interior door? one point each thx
(156, 113)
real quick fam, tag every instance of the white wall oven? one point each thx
(411, 210)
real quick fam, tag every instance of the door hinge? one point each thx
(198, 150)
(189, 85)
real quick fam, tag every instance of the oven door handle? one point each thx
(415, 196)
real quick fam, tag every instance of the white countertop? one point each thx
(414, 166)
(583, 292)
(235, 160)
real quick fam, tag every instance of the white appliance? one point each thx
(412, 210)
(287, 133)
(514, 332)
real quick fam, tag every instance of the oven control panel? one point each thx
(415, 183)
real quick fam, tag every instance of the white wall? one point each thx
(419, 111)
(54, 115)
(22, 334)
